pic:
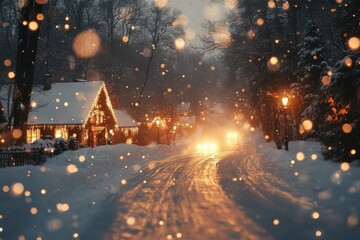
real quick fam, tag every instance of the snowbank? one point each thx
(330, 184)
(57, 200)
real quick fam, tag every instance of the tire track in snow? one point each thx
(181, 198)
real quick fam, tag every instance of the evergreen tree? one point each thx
(310, 64)
(341, 131)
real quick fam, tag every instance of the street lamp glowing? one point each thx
(157, 121)
(285, 101)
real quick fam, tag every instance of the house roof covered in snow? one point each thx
(124, 119)
(187, 119)
(184, 107)
(66, 103)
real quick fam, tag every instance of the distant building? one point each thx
(183, 109)
(126, 125)
(80, 109)
(184, 115)
(187, 121)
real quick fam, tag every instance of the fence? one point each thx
(21, 158)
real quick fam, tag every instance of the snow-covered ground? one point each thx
(61, 199)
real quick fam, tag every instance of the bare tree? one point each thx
(159, 36)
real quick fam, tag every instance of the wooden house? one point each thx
(127, 126)
(79, 109)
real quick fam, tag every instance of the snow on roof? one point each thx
(187, 119)
(124, 119)
(183, 107)
(65, 103)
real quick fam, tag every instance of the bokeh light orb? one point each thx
(16, 133)
(354, 43)
(180, 43)
(86, 44)
(161, 3)
(33, 26)
(347, 128)
(307, 124)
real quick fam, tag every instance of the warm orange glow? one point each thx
(33, 26)
(222, 36)
(71, 169)
(308, 125)
(180, 43)
(271, 4)
(33, 211)
(354, 43)
(130, 221)
(231, 4)
(347, 128)
(286, 6)
(86, 44)
(82, 158)
(348, 62)
(40, 16)
(260, 22)
(125, 39)
(207, 148)
(352, 151)
(181, 20)
(326, 80)
(33, 104)
(16, 133)
(273, 60)
(7, 62)
(62, 207)
(17, 189)
(11, 75)
(315, 215)
(345, 166)
(352, 220)
(250, 34)
(285, 101)
(161, 3)
(300, 156)
(41, 2)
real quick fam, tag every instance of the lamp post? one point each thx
(158, 131)
(285, 101)
(174, 135)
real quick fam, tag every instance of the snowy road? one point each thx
(233, 195)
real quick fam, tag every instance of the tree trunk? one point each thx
(27, 49)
